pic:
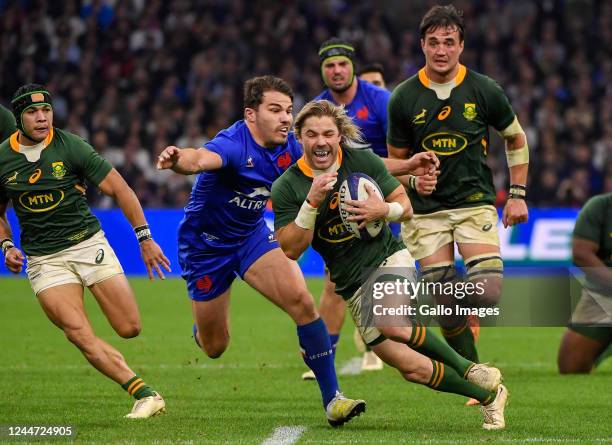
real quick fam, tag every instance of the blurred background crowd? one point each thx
(133, 76)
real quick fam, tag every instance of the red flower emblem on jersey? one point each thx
(363, 113)
(284, 160)
(204, 284)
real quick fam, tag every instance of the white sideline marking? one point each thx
(285, 435)
(352, 367)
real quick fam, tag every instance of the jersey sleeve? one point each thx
(284, 202)
(589, 224)
(399, 132)
(499, 111)
(89, 162)
(228, 149)
(377, 171)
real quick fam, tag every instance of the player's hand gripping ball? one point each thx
(354, 187)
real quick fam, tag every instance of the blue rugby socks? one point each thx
(318, 356)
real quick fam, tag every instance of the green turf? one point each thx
(255, 387)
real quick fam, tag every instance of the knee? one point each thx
(81, 338)
(486, 273)
(572, 367)
(490, 294)
(129, 330)
(300, 306)
(214, 347)
(416, 372)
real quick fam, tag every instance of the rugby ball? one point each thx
(353, 187)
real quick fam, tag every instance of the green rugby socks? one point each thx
(137, 388)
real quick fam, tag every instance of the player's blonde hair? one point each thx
(349, 132)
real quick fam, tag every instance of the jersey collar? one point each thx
(15, 143)
(304, 168)
(458, 78)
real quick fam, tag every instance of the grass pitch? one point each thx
(255, 387)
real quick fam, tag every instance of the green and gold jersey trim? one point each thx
(13, 140)
(305, 168)
(459, 78)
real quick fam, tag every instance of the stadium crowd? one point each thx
(134, 76)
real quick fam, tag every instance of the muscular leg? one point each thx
(117, 301)
(64, 306)
(484, 267)
(212, 323)
(578, 353)
(418, 368)
(280, 281)
(439, 267)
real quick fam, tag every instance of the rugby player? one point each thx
(366, 104)
(42, 171)
(223, 233)
(306, 207)
(447, 109)
(589, 335)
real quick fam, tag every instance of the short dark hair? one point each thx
(255, 88)
(372, 68)
(442, 16)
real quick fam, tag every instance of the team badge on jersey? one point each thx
(284, 160)
(419, 118)
(363, 113)
(58, 169)
(11, 179)
(469, 111)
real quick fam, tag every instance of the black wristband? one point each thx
(412, 182)
(6, 244)
(517, 191)
(143, 233)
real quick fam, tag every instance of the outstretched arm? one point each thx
(115, 186)
(188, 161)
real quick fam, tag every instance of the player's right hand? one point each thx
(424, 163)
(154, 257)
(13, 260)
(426, 184)
(168, 158)
(320, 186)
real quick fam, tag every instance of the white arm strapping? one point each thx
(519, 155)
(306, 217)
(395, 211)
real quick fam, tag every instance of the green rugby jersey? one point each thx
(7, 123)
(48, 194)
(345, 255)
(456, 129)
(594, 223)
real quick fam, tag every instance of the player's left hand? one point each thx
(424, 163)
(154, 257)
(368, 210)
(515, 212)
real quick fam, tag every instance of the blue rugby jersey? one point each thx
(369, 111)
(227, 204)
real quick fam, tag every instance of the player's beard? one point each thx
(341, 89)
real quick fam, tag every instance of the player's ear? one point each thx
(249, 115)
